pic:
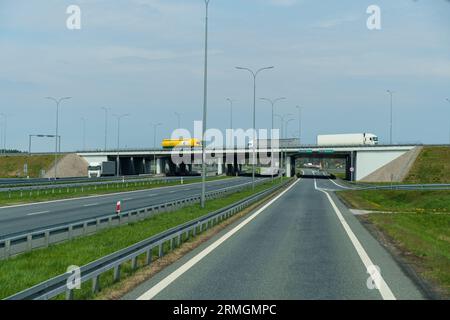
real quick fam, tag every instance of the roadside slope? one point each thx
(13, 166)
(432, 166)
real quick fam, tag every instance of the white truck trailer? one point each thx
(102, 169)
(356, 139)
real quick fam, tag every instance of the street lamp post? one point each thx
(272, 102)
(119, 118)
(287, 126)
(254, 74)
(391, 93)
(155, 126)
(5, 122)
(83, 120)
(205, 109)
(300, 118)
(231, 119)
(283, 126)
(106, 125)
(58, 103)
(448, 100)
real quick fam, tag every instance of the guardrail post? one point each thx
(47, 238)
(134, 263)
(117, 273)
(7, 248)
(148, 259)
(161, 251)
(69, 294)
(29, 242)
(70, 232)
(96, 284)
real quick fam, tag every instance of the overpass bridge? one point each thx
(361, 161)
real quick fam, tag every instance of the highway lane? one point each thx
(297, 248)
(22, 218)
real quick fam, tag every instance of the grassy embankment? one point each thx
(417, 223)
(432, 166)
(12, 166)
(31, 268)
(33, 196)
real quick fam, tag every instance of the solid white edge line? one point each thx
(343, 187)
(155, 290)
(37, 213)
(384, 289)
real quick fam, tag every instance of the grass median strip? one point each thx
(24, 271)
(24, 197)
(417, 223)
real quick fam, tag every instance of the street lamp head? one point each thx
(119, 116)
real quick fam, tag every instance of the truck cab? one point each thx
(95, 170)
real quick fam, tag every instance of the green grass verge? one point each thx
(398, 200)
(12, 166)
(419, 226)
(432, 166)
(22, 197)
(26, 270)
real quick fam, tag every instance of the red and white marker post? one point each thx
(118, 207)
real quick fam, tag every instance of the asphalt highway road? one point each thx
(300, 246)
(23, 218)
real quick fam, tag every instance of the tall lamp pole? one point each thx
(205, 109)
(3, 134)
(155, 126)
(231, 118)
(448, 100)
(106, 125)
(254, 74)
(300, 118)
(272, 103)
(83, 120)
(119, 118)
(391, 94)
(283, 126)
(58, 103)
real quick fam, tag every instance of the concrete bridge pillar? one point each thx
(288, 167)
(159, 166)
(220, 166)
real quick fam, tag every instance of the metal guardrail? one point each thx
(62, 186)
(436, 187)
(42, 238)
(173, 237)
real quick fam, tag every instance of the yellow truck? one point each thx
(181, 143)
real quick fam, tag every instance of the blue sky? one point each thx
(145, 57)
